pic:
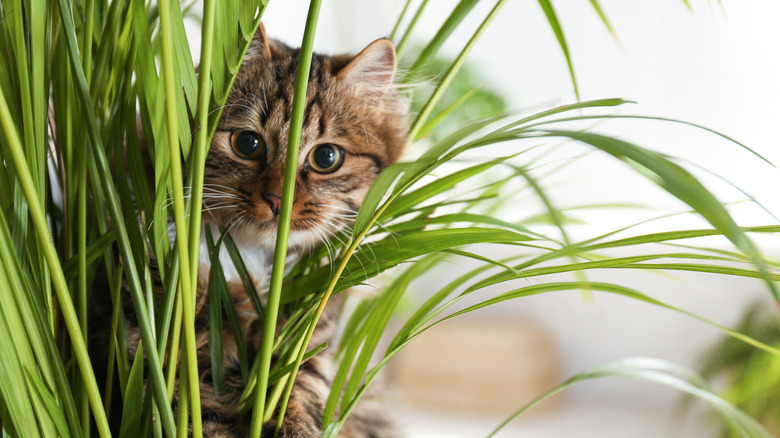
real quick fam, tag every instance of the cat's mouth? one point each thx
(253, 218)
(306, 231)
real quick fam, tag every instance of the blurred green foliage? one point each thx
(752, 376)
(482, 103)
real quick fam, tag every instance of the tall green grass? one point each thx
(77, 77)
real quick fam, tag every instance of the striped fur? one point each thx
(351, 104)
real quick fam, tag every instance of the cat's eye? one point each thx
(326, 158)
(247, 145)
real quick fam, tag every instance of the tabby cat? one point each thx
(355, 125)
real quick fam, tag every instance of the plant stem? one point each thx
(197, 164)
(412, 24)
(52, 259)
(285, 215)
(81, 235)
(453, 70)
(182, 245)
(447, 28)
(114, 209)
(400, 18)
(181, 431)
(276, 392)
(173, 362)
(81, 223)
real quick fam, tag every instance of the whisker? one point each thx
(239, 218)
(210, 206)
(338, 222)
(220, 195)
(341, 216)
(325, 241)
(337, 207)
(221, 187)
(356, 254)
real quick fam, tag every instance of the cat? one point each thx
(355, 125)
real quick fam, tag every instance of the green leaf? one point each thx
(392, 251)
(447, 28)
(95, 249)
(611, 288)
(667, 236)
(362, 341)
(373, 330)
(633, 262)
(133, 398)
(287, 369)
(53, 411)
(449, 76)
(405, 202)
(285, 215)
(376, 193)
(448, 219)
(556, 27)
(217, 289)
(603, 17)
(399, 48)
(433, 156)
(598, 103)
(34, 319)
(97, 150)
(434, 121)
(420, 316)
(243, 273)
(661, 119)
(678, 182)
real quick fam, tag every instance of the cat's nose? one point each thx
(273, 201)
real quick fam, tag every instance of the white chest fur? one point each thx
(258, 259)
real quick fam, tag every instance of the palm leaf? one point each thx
(552, 18)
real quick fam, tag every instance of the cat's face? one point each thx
(354, 126)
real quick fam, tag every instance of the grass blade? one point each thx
(419, 121)
(216, 286)
(96, 148)
(407, 201)
(678, 182)
(552, 18)
(186, 287)
(458, 14)
(133, 398)
(407, 35)
(52, 259)
(400, 19)
(52, 408)
(603, 16)
(285, 216)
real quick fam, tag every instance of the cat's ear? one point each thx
(260, 47)
(372, 69)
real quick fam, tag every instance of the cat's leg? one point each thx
(303, 417)
(215, 429)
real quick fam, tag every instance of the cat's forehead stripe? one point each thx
(370, 126)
